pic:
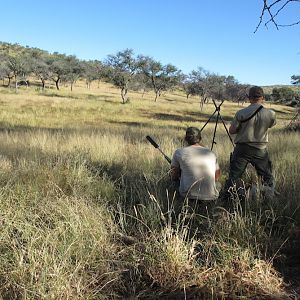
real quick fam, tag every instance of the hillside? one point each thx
(268, 89)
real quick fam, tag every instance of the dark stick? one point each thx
(215, 131)
(208, 120)
(227, 130)
(219, 117)
(155, 145)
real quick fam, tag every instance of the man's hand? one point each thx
(217, 174)
(232, 129)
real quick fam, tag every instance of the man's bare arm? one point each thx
(217, 174)
(175, 173)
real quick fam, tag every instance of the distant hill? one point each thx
(268, 88)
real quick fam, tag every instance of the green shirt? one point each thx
(255, 131)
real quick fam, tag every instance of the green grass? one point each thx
(77, 175)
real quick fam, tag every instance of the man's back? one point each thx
(198, 166)
(254, 131)
(250, 126)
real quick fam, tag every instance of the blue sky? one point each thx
(216, 35)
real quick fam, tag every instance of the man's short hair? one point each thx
(192, 135)
(256, 92)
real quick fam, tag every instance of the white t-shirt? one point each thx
(198, 166)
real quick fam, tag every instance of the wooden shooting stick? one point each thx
(219, 117)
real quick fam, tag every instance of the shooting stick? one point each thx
(155, 145)
(219, 117)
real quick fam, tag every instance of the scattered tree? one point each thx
(73, 70)
(123, 67)
(18, 66)
(236, 91)
(58, 67)
(162, 78)
(282, 94)
(201, 78)
(5, 71)
(39, 65)
(140, 82)
(189, 87)
(295, 79)
(89, 72)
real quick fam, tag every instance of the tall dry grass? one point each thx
(87, 204)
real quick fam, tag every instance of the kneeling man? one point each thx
(197, 168)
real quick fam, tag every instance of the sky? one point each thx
(215, 35)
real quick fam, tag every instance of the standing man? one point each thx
(197, 168)
(251, 126)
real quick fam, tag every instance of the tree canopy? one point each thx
(124, 69)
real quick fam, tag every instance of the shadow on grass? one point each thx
(130, 123)
(147, 125)
(186, 117)
(281, 112)
(58, 95)
(22, 128)
(105, 98)
(77, 96)
(206, 116)
(170, 99)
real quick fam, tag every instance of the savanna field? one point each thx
(86, 203)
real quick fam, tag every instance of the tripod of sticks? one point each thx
(218, 118)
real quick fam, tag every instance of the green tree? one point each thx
(93, 70)
(58, 67)
(283, 94)
(161, 77)
(216, 86)
(235, 91)
(5, 71)
(203, 79)
(123, 67)
(189, 87)
(73, 70)
(89, 72)
(18, 66)
(295, 79)
(39, 65)
(140, 82)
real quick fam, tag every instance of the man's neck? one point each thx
(258, 101)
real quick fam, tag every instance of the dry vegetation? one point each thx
(86, 203)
